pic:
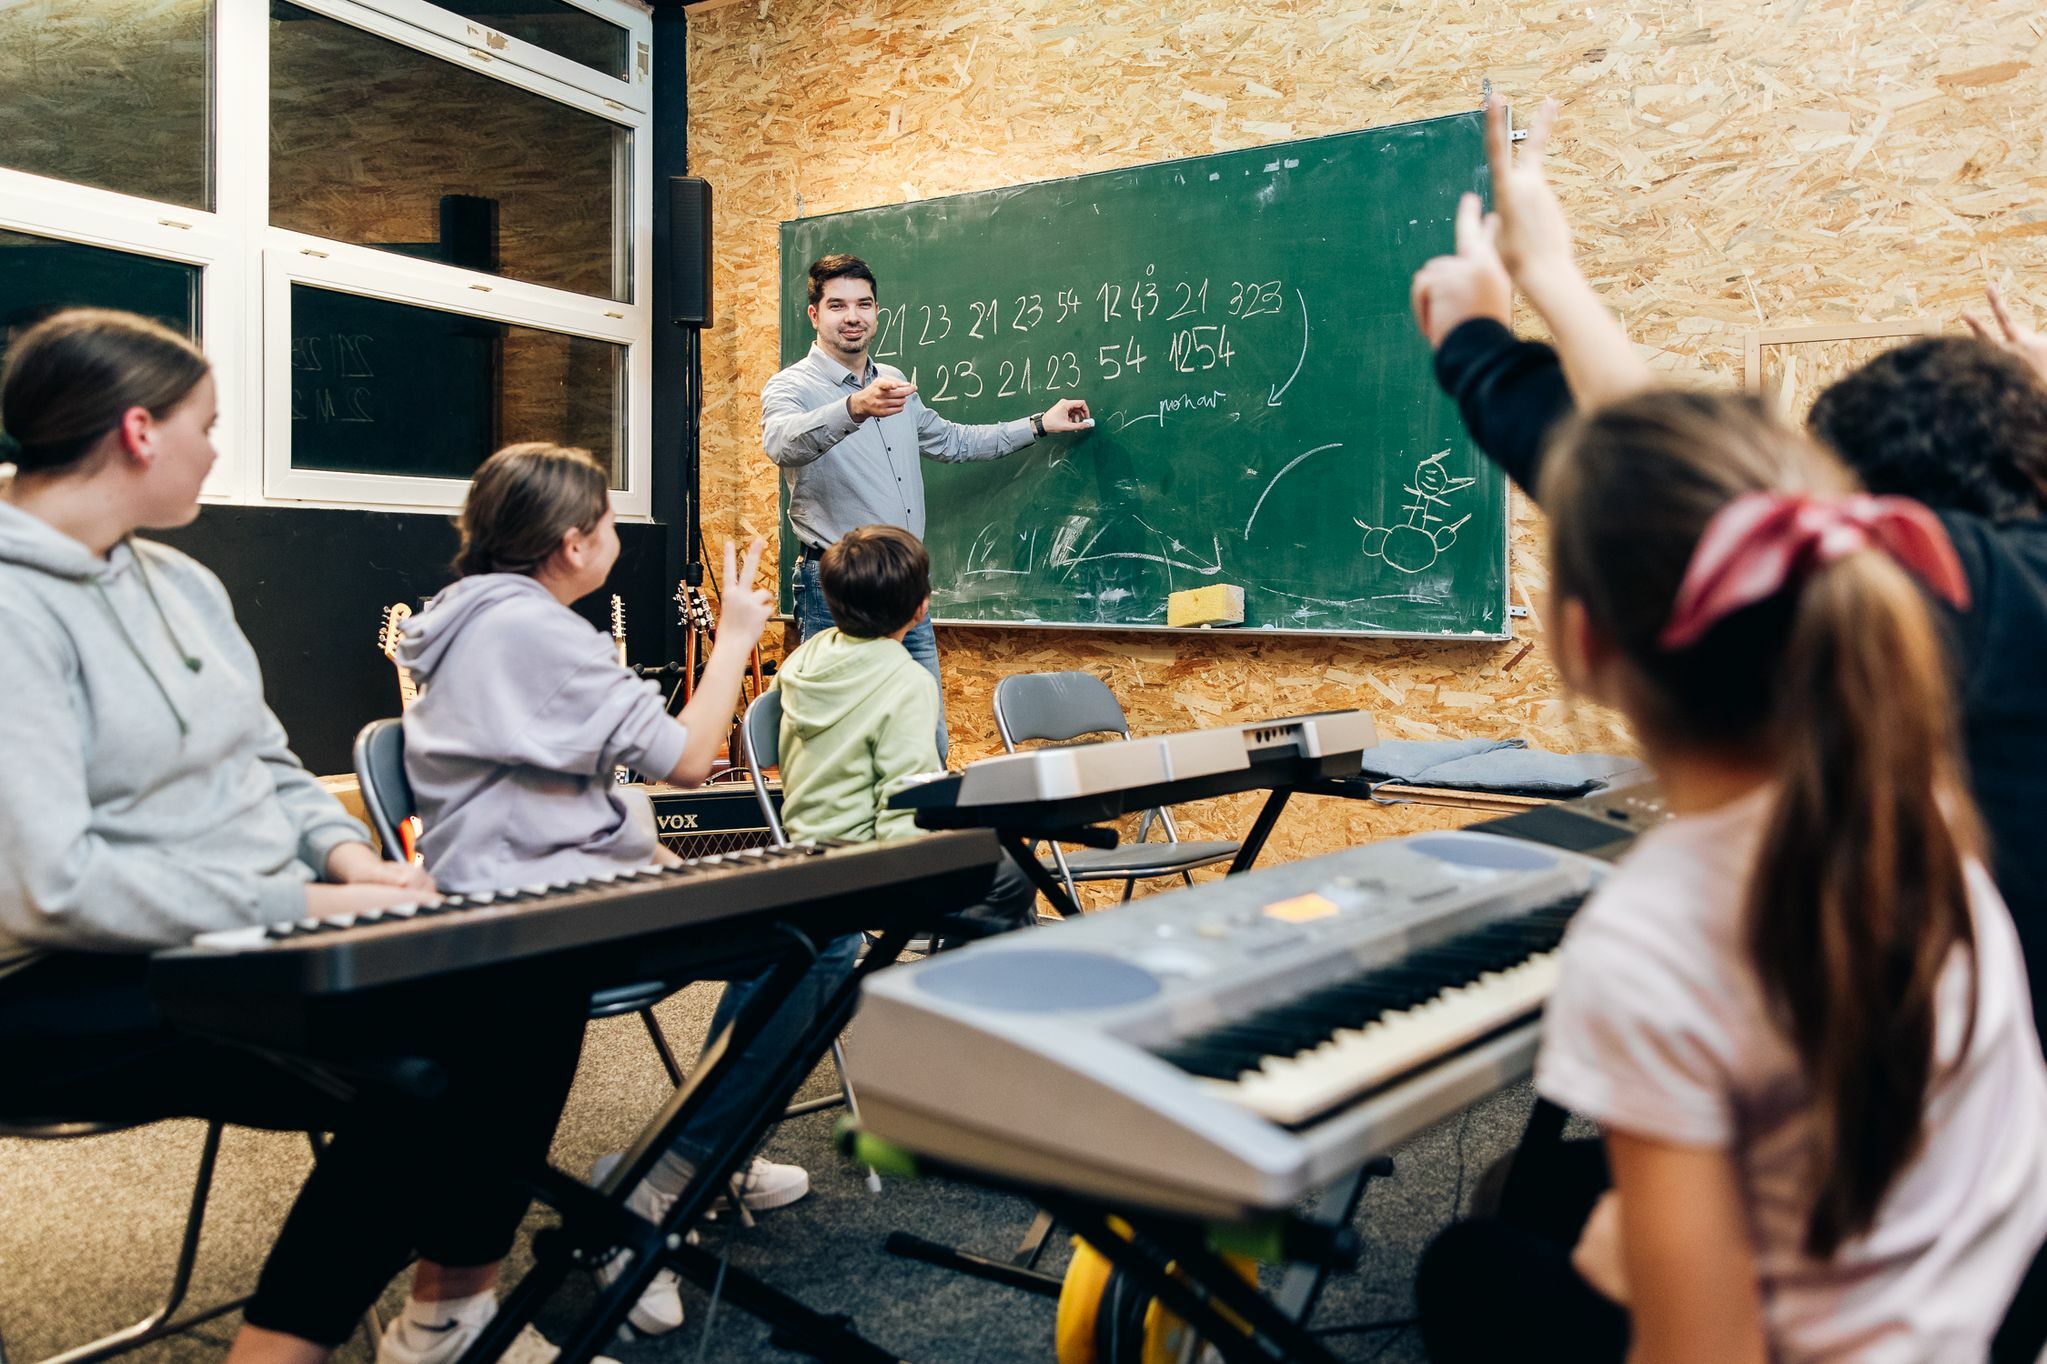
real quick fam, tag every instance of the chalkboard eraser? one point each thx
(1216, 604)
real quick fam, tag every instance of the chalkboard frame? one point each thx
(796, 338)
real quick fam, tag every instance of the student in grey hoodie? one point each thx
(523, 713)
(147, 796)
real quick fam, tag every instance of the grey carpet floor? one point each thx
(89, 1230)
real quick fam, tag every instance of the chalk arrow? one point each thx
(1272, 396)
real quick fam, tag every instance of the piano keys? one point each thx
(278, 984)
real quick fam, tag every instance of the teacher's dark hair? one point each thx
(70, 378)
(839, 266)
(524, 499)
(1955, 423)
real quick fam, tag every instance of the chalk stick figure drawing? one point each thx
(1415, 545)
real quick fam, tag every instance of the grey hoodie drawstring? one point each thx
(191, 661)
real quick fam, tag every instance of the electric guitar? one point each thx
(395, 616)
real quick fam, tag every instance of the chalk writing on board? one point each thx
(905, 331)
(1414, 545)
(1287, 469)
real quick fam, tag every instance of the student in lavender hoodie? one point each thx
(148, 796)
(524, 712)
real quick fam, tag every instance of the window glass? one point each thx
(389, 388)
(376, 143)
(41, 275)
(562, 29)
(109, 93)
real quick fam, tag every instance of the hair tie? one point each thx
(1761, 543)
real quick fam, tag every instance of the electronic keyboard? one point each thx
(609, 929)
(1233, 1046)
(1075, 784)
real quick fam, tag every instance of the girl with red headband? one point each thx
(1797, 1011)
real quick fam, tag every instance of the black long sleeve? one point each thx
(1511, 394)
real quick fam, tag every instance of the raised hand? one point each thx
(1534, 242)
(2022, 341)
(1452, 290)
(744, 607)
(1533, 236)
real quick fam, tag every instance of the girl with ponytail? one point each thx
(1797, 1011)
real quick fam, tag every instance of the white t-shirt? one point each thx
(1659, 1029)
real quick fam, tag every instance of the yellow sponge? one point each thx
(1216, 604)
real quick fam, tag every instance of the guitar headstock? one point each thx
(618, 625)
(395, 616)
(695, 608)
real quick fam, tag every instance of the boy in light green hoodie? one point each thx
(860, 715)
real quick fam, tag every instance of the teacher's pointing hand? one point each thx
(1068, 414)
(883, 398)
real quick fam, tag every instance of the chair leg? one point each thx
(1129, 889)
(852, 1104)
(660, 1041)
(155, 1324)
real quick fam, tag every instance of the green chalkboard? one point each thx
(1265, 410)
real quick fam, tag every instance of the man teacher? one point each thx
(847, 433)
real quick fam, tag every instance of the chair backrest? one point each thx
(380, 774)
(1055, 706)
(760, 734)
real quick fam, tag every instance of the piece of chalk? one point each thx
(1216, 604)
(1087, 421)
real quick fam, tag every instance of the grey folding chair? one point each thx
(387, 798)
(1060, 708)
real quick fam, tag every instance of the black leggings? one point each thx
(1501, 1286)
(445, 1178)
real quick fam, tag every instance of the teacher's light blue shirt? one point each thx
(842, 473)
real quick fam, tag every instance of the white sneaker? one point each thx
(659, 1309)
(406, 1341)
(766, 1184)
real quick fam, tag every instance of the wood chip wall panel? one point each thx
(1730, 166)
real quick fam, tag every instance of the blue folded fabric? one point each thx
(1403, 760)
(1505, 766)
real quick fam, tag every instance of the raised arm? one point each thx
(1510, 392)
(1534, 242)
(743, 611)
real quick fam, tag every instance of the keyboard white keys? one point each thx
(1290, 1090)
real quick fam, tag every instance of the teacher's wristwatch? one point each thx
(1038, 423)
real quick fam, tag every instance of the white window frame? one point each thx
(248, 266)
(297, 259)
(635, 92)
(58, 211)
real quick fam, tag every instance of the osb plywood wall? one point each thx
(1730, 165)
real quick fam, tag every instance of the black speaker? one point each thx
(689, 251)
(469, 232)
